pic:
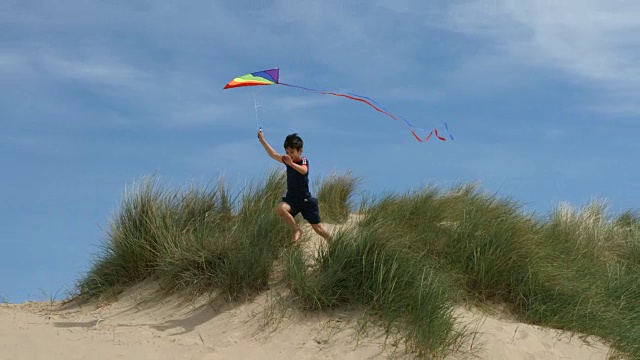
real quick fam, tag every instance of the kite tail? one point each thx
(432, 132)
(410, 126)
(374, 105)
(348, 96)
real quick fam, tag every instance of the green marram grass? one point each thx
(408, 262)
(575, 270)
(361, 269)
(195, 240)
(335, 196)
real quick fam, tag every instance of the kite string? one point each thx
(256, 106)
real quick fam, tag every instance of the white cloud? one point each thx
(47, 64)
(594, 42)
(96, 71)
(171, 97)
(144, 55)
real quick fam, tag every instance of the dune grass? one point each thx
(575, 270)
(335, 196)
(593, 261)
(360, 269)
(409, 260)
(192, 240)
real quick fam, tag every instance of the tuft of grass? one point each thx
(627, 225)
(575, 270)
(360, 269)
(590, 261)
(335, 196)
(482, 242)
(628, 219)
(190, 240)
(53, 297)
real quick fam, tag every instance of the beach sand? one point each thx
(142, 324)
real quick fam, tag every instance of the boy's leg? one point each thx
(283, 209)
(321, 230)
(311, 212)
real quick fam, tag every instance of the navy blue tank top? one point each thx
(298, 184)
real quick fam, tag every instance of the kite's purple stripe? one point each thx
(265, 75)
(275, 74)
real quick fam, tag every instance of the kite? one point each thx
(272, 77)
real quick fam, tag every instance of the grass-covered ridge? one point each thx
(191, 240)
(410, 259)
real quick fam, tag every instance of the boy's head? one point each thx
(293, 146)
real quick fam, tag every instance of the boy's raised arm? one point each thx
(270, 151)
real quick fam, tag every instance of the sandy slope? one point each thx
(141, 325)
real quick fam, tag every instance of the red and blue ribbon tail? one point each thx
(412, 129)
(409, 125)
(375, 105)
(348, 96)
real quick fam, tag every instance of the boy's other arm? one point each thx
(270, 151)
(302, 169)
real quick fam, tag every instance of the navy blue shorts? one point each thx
(308, 207)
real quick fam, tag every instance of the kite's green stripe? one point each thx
(250, 77)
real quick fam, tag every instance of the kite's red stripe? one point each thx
(234, 84)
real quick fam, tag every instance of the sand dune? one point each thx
(143, 325)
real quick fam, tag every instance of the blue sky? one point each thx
(543, 99)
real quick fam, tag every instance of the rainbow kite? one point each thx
(271, 77)
(267, 77)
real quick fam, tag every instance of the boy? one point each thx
(298, 198)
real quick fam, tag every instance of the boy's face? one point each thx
(293, 153)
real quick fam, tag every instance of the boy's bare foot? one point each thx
(296, 236)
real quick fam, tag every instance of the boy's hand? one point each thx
(260, 135)
(287, 160)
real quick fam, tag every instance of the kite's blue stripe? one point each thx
(264, 74)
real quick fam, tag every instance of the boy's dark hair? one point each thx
(293, 141)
